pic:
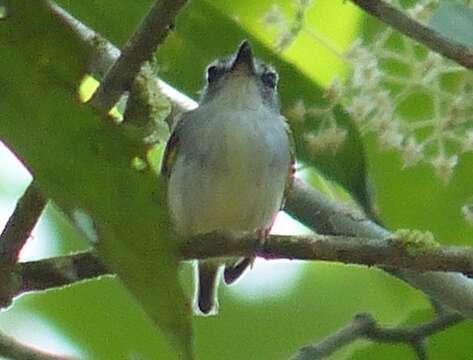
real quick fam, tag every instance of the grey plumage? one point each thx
(228, 160)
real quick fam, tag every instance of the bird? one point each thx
(229, 164)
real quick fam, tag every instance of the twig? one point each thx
(140, 48)
(390, 252)
(64, 270)
(12, 349)
(58, 271)
(417, 31)
(334, 342)
(20, 224)
(365, 326)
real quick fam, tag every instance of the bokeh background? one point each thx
(279, 306)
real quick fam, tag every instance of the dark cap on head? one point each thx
(244, 58)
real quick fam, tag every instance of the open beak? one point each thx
(244, 58)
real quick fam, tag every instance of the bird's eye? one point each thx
(213, 73)
(269, 79)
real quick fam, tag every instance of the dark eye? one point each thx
(269, 79)
(213, 73)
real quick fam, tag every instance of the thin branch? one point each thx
(64, 270)
(140, 48)
(20, 224)
(390, 252)
(364, 326)
(12, 349)
(58, 271)
(334, 342)
(417, 31)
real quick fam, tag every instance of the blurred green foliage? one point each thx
(91, 168)
(104, 321)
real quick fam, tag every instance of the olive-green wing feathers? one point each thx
(170, 154)
(173, 145)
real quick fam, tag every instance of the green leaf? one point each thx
(197, 40)
(454, 21)
(83, 163)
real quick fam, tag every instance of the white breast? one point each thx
(230, 173)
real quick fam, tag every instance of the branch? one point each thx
(393, 253)
(140, 48)
(417, 31)
(12, 349)
(19, 226)
(365, 326)
(58, 271)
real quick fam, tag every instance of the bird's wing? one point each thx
(292, 164)
(172, 147)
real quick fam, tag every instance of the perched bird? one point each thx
(229, 163)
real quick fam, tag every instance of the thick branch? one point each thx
(417, 31)
(140, 48)
(365, 326)
(12, 349)
(19, 226)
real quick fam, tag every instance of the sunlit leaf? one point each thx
(84, 163)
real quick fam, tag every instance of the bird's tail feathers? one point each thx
(207, 284)
(233, 271)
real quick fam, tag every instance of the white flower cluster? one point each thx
(287, 29)
(329, 136)
(377, 99)
(413, 100)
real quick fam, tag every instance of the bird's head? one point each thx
(241, 81)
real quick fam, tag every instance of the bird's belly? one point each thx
(237, 185)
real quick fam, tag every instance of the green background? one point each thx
(104, 322)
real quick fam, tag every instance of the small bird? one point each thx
(229, 163)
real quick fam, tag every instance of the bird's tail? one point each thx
(233, 271)
(208, 276)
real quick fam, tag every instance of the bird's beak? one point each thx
(244, 58)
